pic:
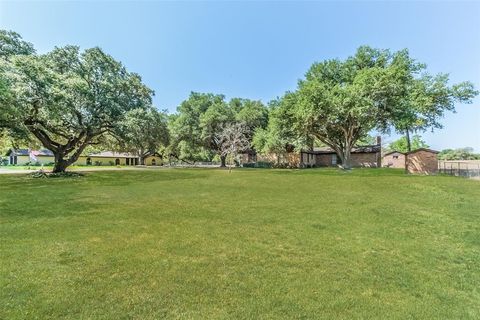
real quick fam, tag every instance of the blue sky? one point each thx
(259, 50)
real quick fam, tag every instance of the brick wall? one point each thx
(323, 160)
(357, 159)
(390, 161)
(290, 158)
(368, 160)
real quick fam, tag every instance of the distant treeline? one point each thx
(458, 154)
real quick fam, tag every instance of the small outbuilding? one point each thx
(394, 159)
(421, 161)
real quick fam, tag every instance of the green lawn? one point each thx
(270, 244)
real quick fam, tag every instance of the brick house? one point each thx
(361, 156)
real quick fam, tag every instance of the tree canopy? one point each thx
(68, 99)
(143, 132)
(72, 100)
(200, 120)
(401, 144)
(466, 153)
(340, 102)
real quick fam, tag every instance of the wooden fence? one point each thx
(465, 168)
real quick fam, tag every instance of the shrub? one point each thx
(264, 164)
(111, 163)
(249, 165)
(98, 163)
(33, 164)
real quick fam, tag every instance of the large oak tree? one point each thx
(69, 99)
(200, 120)
(143, 132)
(339, 102)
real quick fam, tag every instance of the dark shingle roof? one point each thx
(112, 154)
(422, 149)
(43, 152)
(393, 151)
(27, 152)
(19, 152)
(358, 149)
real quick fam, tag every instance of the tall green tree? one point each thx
(341, 101)
(426, 98)
(200, 120)
(193, 129)
(11, 44)
(69, 99)
(280, 136)
(143, 132)
(402, 144)
(253, 114)
(212, 123)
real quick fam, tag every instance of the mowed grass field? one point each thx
(251, 244)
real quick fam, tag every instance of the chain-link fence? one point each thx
(460, 168)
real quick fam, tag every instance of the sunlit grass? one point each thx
(193, 243)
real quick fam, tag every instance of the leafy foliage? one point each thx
(70, 99)
(201, 119)
(339, 102)
(459, 154)
(402, 144)
(280, 135)
(143, 132)
(12, 44)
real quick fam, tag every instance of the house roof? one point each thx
(48, 153)
(28, 152)
(413, 151)
(358, 149)
(422, 149)
(394, 151)
(17, 152)
(43, 152)
(112, 154)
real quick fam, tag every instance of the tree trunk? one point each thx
(347, 163)
(60, 164)
(345, 156)
(142, 157)
(223, 161)
(407, 136)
